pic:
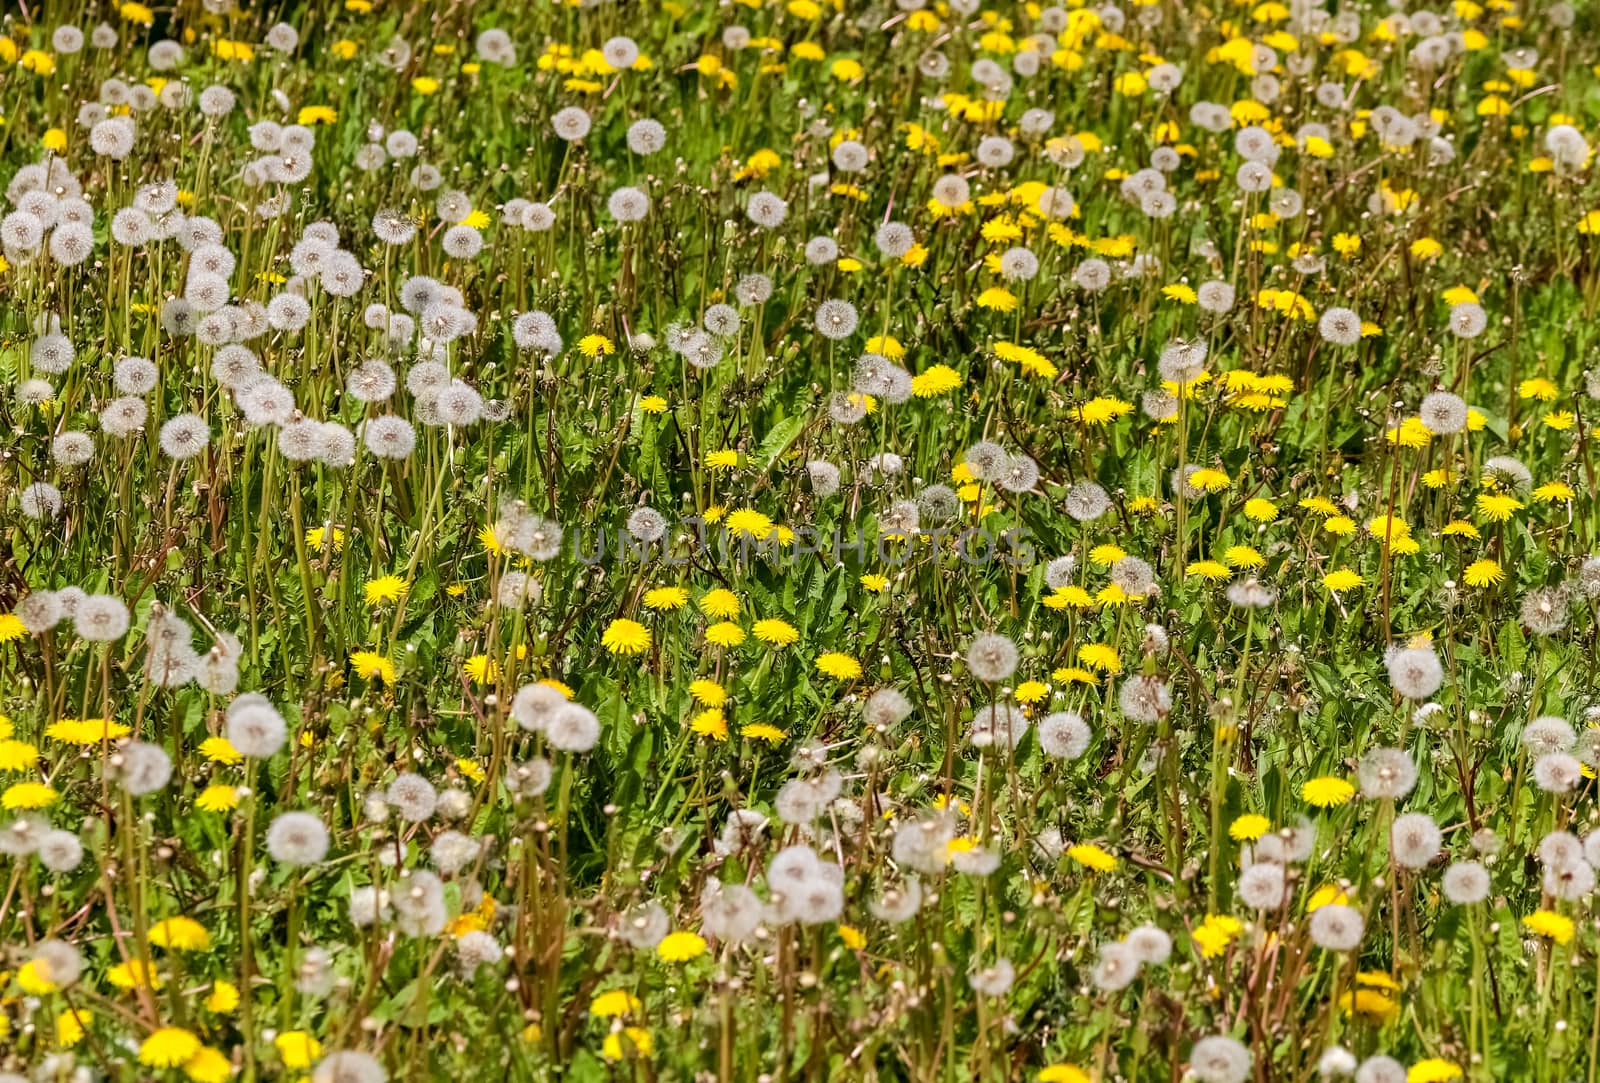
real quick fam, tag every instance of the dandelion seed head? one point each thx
(142, 768)
(1414, 840)
(836, 319)
(823, 476)
(1220, 1059)
(572, 728)
(628, 204)
(850, 156)
(1263, 886)
(1415, 672)
(767, 210)
(1443, 412)
(821, 250)
(1144, 698)
(297, 838)
(1557, 772)
(1386, 773)
(1092, 275)
(1380, 1069)
(646, 137)
(1465, 883)
(255, 728)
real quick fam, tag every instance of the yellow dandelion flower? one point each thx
(1243, 556)
(1497, 507)
(725, 634)
(1102, 411)
(1070, 596)
(1538, 387)
(935, 380)
(1432, 1070)
(385, 589)
(1342, 579)
(666, 598)
(38, 62)
(1260, 510)
(1370, 1004)
(208, 1066)
(1326, 792)
(1111, 594)
(36, 978)
(711, 723)
(223, 998)
(1100, 656)
(636, 1041)
(1073, 675)
(761, 731)
(218, 798)
(29, 795)
(1062, 1073)
(841, 667)
(482, 669)
(317, 535)
(86, 731)
(720, 603)
(593, 346)
(370, 665)
(1387, 528)
(1550, 925)
(297, 1049)
(168, 1047)
(1213, 935)
(17, 757)
(609, 1005)
(179, 934)
(220, 750)
(1103, 556)
(775, 632)
(69, 1027)
(998, 299)
(1093, 857)
(624, 636)
(1326, 895)
(749, 522)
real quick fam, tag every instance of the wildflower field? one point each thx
(778, 540)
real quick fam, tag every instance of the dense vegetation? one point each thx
(799, 540)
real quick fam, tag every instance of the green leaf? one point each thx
(777, 441)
